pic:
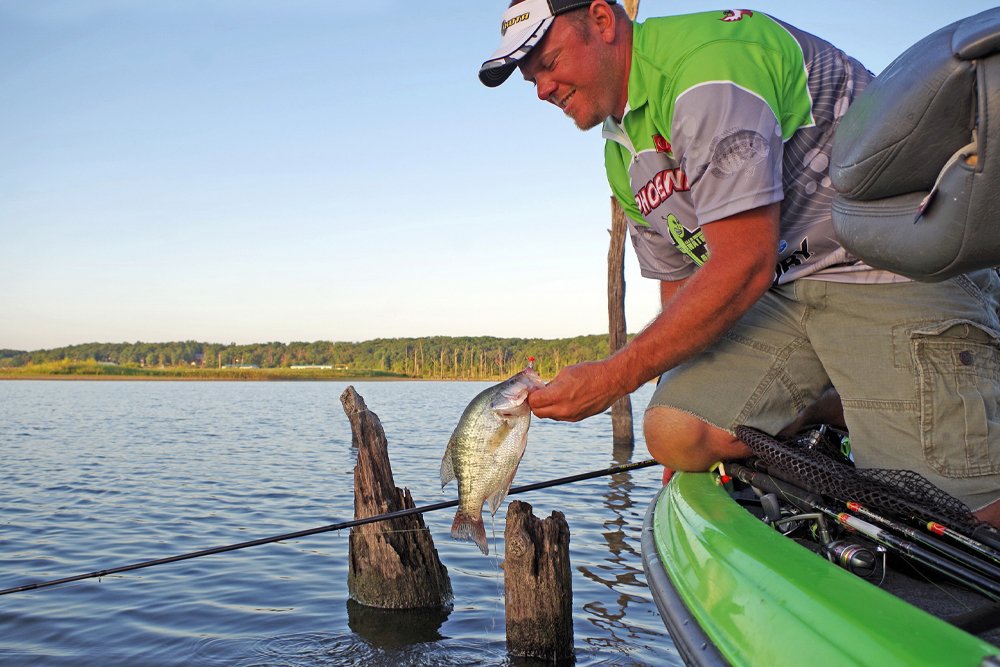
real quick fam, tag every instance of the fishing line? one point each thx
(496, 562)
(324, 529)
(497, 579)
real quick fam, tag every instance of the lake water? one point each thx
(97, 475)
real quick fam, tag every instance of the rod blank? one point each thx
(321, 529)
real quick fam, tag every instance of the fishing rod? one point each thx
(626, 467)
(983, 538)
(985, 550)
(969, 577)
(966, 576)
(962, 556)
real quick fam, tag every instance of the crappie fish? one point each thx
(485, 449)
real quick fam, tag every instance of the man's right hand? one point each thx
(577, 392)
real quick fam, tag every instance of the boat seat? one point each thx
(916, 159)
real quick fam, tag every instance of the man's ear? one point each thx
(604, 19)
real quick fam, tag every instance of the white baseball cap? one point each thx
(523, 25)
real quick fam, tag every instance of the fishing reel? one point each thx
(857, 558)
(812, 530)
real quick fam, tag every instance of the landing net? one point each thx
(902, 493)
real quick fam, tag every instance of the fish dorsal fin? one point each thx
(447, 468)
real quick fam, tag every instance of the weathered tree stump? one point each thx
(393, 563)
(537, 584)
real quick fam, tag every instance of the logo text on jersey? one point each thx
(659, 188)
(689, 242)
(797, 257)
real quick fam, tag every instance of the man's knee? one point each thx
(990, 514)
(682, 441)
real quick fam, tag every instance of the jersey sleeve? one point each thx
(728, 127)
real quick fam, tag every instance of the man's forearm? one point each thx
(696, 313)
(709, 302)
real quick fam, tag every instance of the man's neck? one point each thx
(624, 57)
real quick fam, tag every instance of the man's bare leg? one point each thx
(681, 441)
(990, 514)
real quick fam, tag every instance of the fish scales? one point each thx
(485, 449)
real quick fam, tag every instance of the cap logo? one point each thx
(513, 21)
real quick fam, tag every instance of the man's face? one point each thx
(571, 69)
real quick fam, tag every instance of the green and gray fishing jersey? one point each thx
(728, 111)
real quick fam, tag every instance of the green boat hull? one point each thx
(732, 590)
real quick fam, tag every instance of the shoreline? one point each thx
(154, 378)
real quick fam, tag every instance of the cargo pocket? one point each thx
(958, 377)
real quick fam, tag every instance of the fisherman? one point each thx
(718, 129)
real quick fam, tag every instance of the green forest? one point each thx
(432, 357)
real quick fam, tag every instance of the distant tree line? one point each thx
(443, 357)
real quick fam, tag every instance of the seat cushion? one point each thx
(914, 159)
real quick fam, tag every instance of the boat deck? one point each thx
(732, 590)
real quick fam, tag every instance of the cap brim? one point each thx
(492, 74)
(514, 46)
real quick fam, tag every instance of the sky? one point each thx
(246, 171)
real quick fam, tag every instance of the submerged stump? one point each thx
(621, 411)
(537, 585)
(393, 563)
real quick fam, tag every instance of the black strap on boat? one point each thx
(324, 529)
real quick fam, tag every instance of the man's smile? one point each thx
(562, 103)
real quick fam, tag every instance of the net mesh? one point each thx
(901, 493)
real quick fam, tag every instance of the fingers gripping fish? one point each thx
(485, 450)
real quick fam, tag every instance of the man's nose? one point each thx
(545, 89)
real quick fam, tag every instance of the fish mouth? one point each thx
(511, 402)
(530, 380)
(526, 382)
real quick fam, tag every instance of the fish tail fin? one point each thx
(468, 527)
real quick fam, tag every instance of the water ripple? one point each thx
(104, 474)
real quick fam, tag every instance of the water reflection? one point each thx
(515, 661)
(619, 572)
(395, 628)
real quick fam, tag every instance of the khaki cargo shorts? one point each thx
(917, 366)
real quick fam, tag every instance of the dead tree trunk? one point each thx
(621, 410)
(537, 585)
(391, 564)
